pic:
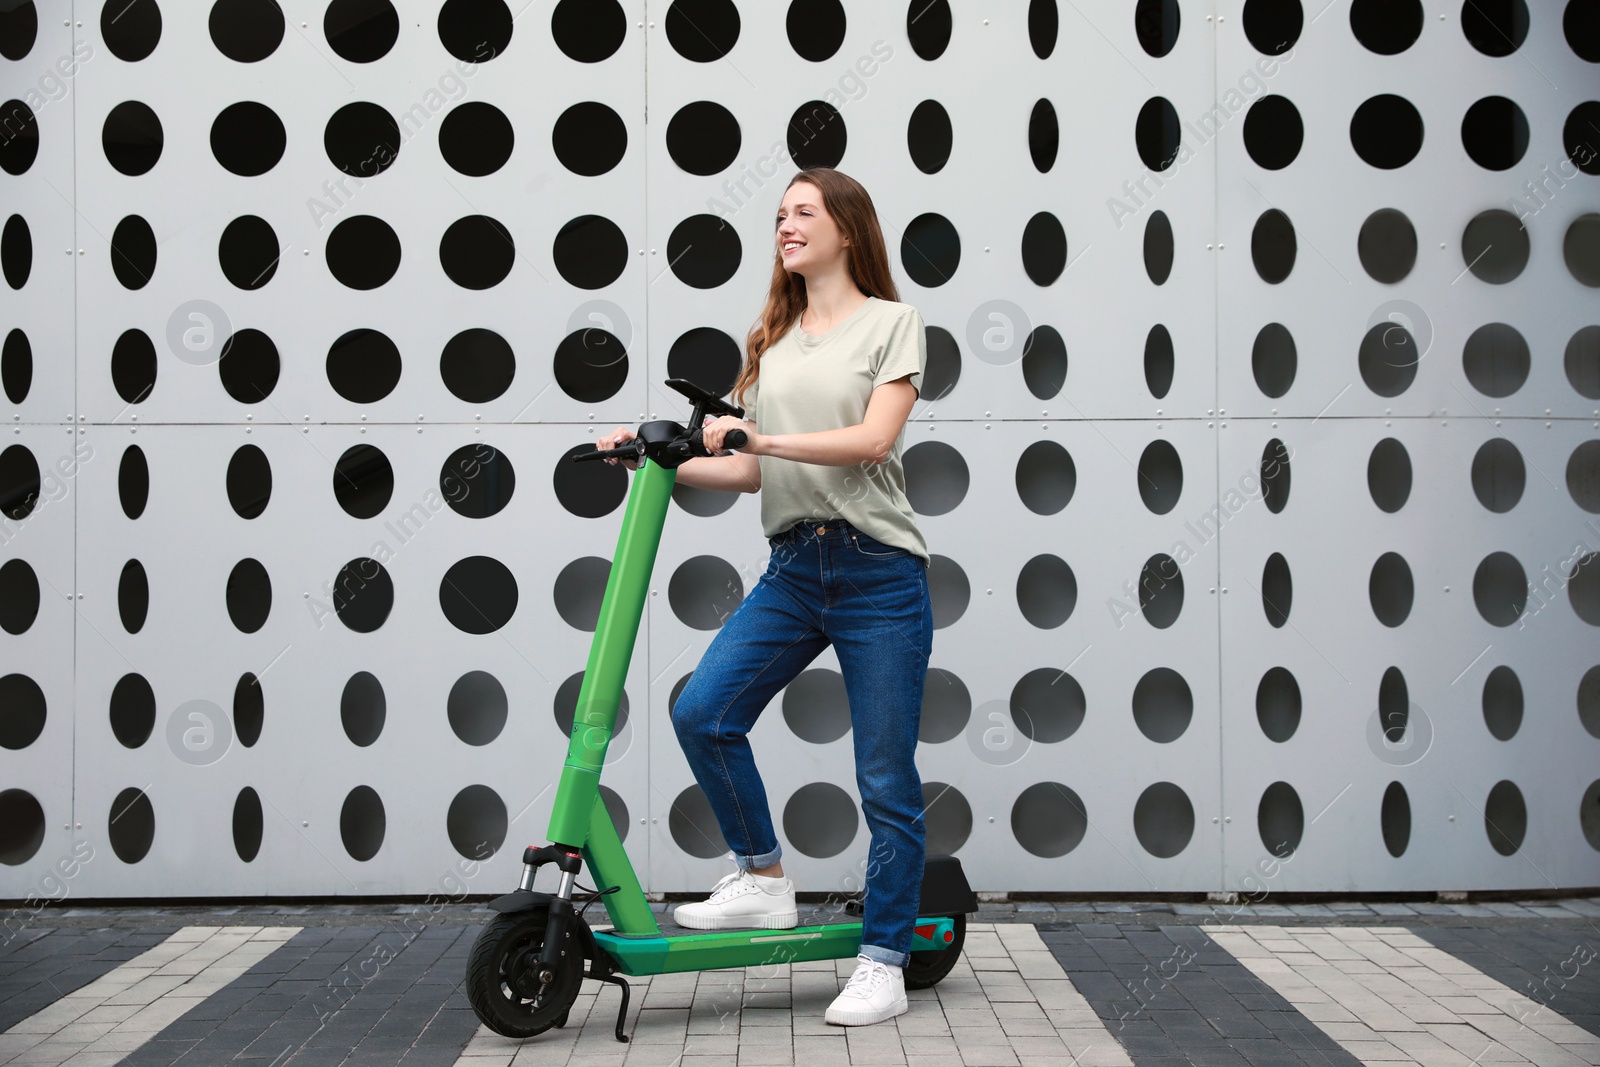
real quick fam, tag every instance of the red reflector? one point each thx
(949, 936)
(925, 932)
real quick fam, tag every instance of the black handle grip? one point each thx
(735, 439)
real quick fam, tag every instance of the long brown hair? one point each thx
(844, 199)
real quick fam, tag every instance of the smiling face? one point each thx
(808, 239)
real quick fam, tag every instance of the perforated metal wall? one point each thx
(1257, 451)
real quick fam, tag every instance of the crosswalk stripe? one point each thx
(1389, 997)
(123, 1009)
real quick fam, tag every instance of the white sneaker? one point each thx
(742, 899)
(874, 993)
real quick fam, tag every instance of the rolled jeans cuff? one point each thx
(885, 955)
(765, 859)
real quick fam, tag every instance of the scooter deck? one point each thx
(821, 934)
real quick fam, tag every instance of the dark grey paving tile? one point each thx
(1556, 966)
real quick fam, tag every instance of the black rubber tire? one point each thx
(499, 975)
(926, 968)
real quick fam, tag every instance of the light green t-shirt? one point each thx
(812, 383)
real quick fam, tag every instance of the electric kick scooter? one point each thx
(528, 962)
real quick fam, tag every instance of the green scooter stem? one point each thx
(579, 816)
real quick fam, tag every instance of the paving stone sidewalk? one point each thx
(1070, 984)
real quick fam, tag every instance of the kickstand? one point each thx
(622, 1012)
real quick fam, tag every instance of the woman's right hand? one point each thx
(620, 436)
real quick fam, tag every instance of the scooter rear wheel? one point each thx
(926, 968)
(503, 983)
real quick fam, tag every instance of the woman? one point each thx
(833, 369)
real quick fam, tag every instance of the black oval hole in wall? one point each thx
(1044, 135)
(817, 136)
(1273, 132)
(363, 366)
(19, 596)
(249, 366)
(249, 709)
(246, 31)
(1044, 362)
(590, 252)
(477, 365)
(16, 366)
(930, 250)
(477, 252)
(1044, 22)
(131, 825)
(1277, 590)
(362, 252)
(132, 138)
(929, 136)
(1505, 817)
(928, 25)
(1044, 248)
(703, 138)
(1499, 475)
(249, 481)
(133, 252)
(1156, 23)
(589, 138)
(1502, 703)
(1275, 475)
(1494, 131)
(591, 365)
(1388, 358)
(248, 252)
(363, 481)
(247, 824)
(475, 30)
(361, 31)
(1387, 27)
(133, 366)
(133, 481)
(1273, 26)
(1498, 27)
(363, 594)
(248, 595)
(1160, 590)
(133, 596)
(1160, 362)
(1394, 818)
(132, 711)
(1274, 359)
(1390, 589)
(1387, 245)
(1496, 359)
(1278, 704)
(589, 31)
(1160, 475)
(1386, 131)
(476, 138)
(16, 251)
(131, 31)
(1156, 133)
(1273, 246)
(1158, 247)
(1389, 475)
(248, 138)
(363, 139)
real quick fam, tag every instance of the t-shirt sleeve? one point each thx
(905, 351)
(749, 404)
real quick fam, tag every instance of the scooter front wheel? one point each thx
(503, 979)
(926, 968)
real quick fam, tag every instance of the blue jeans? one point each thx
(827, 583)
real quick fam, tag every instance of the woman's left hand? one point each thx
(716, 429)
